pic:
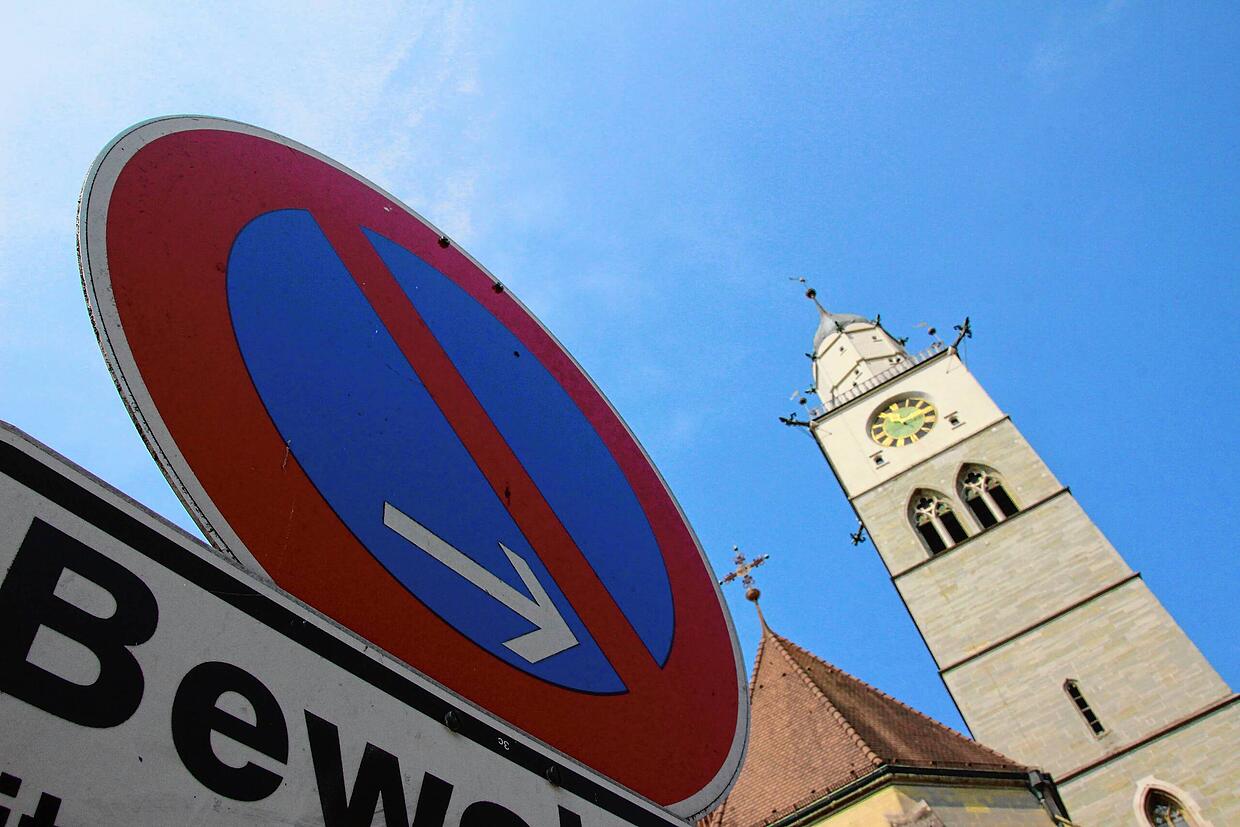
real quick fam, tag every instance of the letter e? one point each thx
(195, 716)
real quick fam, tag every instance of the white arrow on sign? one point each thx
(552, 634)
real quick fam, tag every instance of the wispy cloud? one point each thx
(341, 77)
(1072, 38)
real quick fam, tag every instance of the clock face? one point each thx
(903, 421)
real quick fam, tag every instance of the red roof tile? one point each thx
(815, 728)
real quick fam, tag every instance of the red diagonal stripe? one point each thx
(504, 472)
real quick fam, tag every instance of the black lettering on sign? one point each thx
(195, 716)
(45, 813)
(378, 777)
(9, 785)
(28, 601)
(490, 814)
(569, 819)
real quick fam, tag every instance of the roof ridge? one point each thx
(716, 816)
(831, 707)
(924, 717)
(757, 659)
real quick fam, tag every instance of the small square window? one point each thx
(953, 420)
(879, 459)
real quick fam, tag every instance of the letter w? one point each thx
(378, 777)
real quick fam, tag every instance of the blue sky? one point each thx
(647, 179)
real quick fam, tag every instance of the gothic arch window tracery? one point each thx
(935, 521)
(983, 492)
(1164, 810)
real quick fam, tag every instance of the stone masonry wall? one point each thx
(1135, 667)
(1000, 446)
(981, 806)
(1009, 577)
(1014, 611)
(1199, 760)
(955, 806)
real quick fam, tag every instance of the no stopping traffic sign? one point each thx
(352, 406)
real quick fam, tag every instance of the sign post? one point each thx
(146, 680)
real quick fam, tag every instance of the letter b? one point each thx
(28, 601)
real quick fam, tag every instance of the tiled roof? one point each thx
(815, 728)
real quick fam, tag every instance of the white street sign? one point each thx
(144, 680)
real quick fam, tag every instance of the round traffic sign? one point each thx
(353, 407)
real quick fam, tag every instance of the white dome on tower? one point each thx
(831, 323)
(849, 351)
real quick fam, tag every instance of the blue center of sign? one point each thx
(363, 426)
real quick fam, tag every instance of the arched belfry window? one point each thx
(983, 491)
(1164, 810)
(935, 521)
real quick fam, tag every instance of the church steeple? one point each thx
(1055, 651)
(849, 350)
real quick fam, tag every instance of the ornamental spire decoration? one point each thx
(742, 570)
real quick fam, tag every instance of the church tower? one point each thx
(1055, 651)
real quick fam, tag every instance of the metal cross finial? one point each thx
(742, 570)
(810, 293)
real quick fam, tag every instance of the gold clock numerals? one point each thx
(902, 422)
(880, 436)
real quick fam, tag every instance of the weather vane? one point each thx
(742, 570)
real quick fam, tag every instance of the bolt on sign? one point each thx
(145, 679)
(354, 408)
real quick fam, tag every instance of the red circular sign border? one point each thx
(181, 292)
